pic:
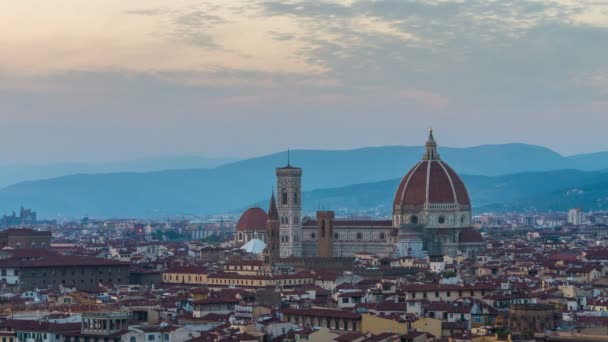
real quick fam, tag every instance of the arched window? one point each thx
(295, 197)
(240, 236)
(322, 229)
(284, 196)
(4, 273)
(133, 339)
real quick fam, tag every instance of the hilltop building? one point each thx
(431, 215)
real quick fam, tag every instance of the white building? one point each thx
(576, 216)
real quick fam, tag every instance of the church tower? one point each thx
(272, 251)
(289, 206)
(325, 233)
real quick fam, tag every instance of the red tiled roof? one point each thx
(431, 181)
(322, 313)
(252, 219)
(470, 235)
(56, 260)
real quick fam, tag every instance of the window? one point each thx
(345, 300)
(359, 236)
(166, 337)
(295, 197)
(441, 220)
(414, 219)
(132, 339)
(382, 236)
(284, 197)
(4, 273)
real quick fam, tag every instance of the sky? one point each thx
(104, 80)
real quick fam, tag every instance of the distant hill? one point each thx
(552, 190)
(375, 163)
(200, 191)
(15, 173)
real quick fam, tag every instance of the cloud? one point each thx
(281, 36)
(148, 11)
(384, 65)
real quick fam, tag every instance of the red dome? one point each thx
(470, 235)
(252, 219)
(433, 182)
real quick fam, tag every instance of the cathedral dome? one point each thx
(252, 219)
(431, 181)
(470, 235)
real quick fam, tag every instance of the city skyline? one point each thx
(103, 81)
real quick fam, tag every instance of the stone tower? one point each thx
(272, 251)
(289, 181)
(325, 233)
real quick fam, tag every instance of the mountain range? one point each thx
(15, 173)
(498, 176)
(541, 191)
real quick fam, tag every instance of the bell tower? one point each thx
(271, 253)
(289, 207)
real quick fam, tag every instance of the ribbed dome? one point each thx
(433, 182)
(252, 219)
(470, 235)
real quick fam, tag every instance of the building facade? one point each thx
(576, 216)
(24, 238)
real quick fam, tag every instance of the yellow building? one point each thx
(428, 325)
(191, 275)
(378, 325)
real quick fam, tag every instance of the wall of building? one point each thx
(80, 277)
(378, 325)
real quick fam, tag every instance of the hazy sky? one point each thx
(112, 79)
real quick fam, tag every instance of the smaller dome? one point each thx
(470, 235)
(252, 219)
